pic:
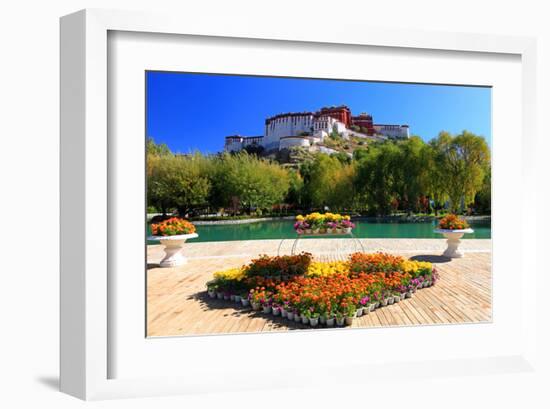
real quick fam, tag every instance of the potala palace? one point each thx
(309, 129)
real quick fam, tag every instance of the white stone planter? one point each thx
(453, 241)
(172, 248)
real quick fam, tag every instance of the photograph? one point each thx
(284, 203)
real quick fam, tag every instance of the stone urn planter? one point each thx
(453, 241)
(172, 248)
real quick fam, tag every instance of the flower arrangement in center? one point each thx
(322, 293)
(326, 223)
(172, 227)
(453, 222)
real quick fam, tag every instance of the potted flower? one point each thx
(331, 227)
(351, 312)
(305, 315)
(330, 320)
(340, 319)
(314, 319)
(256, 296)
(245, 301)
(211, 288)
(290, 315)
(172, 234)
(346, 225)
(453, 228)
(363, 306)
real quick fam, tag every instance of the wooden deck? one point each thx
(178, 305)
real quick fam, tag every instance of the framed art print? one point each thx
(299, 193)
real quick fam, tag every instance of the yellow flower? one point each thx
(236, 274)
(412, 266)
(300, 218)
(325, 269)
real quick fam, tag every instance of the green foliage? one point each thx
(177, 181)
(378, 176)
(381, 178)
(154, 149)
(246, 181)
(463, 161)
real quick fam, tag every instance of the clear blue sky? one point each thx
(196, 111)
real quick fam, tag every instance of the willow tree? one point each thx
(248, 182)
(378, 176)
(463, 161)
(320, 178)
(177, 181)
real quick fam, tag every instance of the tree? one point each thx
(377, 177)
(295, 194)
(319, 178)
(179, 181)
(154, 149)
(464, 160)
(482, 202)
(253, 182)
(342, 195)
(343, 157)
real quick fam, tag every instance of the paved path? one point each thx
(178, 305)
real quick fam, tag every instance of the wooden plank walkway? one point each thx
(178, 305)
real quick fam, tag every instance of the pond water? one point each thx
(283, 229)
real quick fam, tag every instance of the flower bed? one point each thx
(453, 222)
(324, 293)
(172, 227)
(327, 223)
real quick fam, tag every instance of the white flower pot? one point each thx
(359, 311)
(347, 230)
(232, 297)
(453, 241)
(172, 248)
(340, 321)
(297, 317)
(349, 320)
(290, 316)
(283, 313)
(267, 309)
(330, 322)
(322, 320)
(245, 302)
(305, 320)
(256, 306)
(212, 294)
(276, 311)
(314, 322)
(237, 298)
(220, 296)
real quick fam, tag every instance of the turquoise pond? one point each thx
(283, 229)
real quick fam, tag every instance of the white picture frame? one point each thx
(86, 300)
